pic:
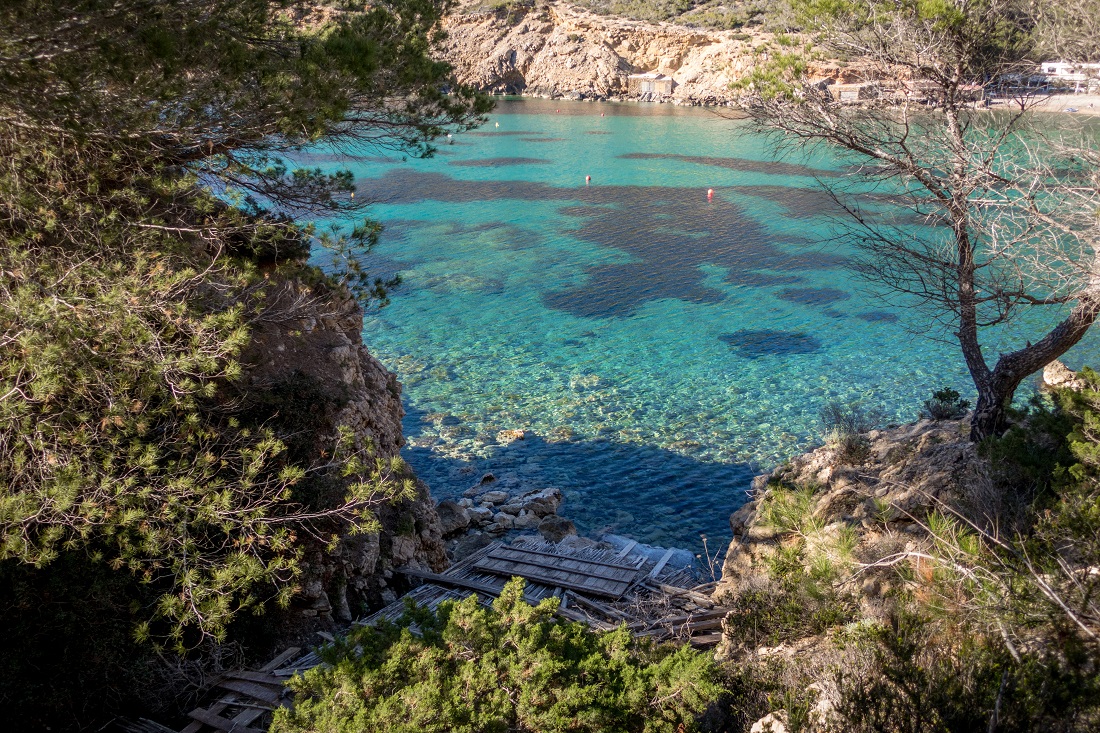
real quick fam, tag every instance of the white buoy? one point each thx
(587, 180)
(498, 124)
(710, 193)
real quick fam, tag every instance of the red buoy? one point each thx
(587, 180)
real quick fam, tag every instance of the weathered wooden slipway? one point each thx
(600, 587)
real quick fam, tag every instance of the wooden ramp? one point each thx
(596, 586)
(560, 569)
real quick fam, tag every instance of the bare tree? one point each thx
(998, 216)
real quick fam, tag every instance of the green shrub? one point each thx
(920, 678)
(844, 425)
(509, 668)
(945, 404)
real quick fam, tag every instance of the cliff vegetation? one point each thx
(166, 469)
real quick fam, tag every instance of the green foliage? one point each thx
(945, 404)
(146, 217)
(509, 668)
(844, 425)
(917, 680)
(800, 595)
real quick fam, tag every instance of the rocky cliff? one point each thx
(835, 540)
(557, 50)
(308, 364)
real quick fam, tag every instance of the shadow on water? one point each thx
(650, 494)
(669, 233)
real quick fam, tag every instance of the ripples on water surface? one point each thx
(660, 348)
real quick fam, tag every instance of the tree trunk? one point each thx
(989, 417)
(995, 392)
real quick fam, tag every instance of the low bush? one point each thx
(512, 667)
(914, 676)
(945, 404)
(844, 425)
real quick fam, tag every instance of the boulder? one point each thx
(527, 520)
(480, 515)
(402, 550)
(480, 487)
(555, 528)
(493, 498)
(771, 723)
(1058, 375)
(541, 503)
(452, 516)
(468, 544)
(505, 520)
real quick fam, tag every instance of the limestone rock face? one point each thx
(909, 472)
(313, 367)
(557, 50)
(1059, 376)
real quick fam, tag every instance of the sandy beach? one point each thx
(1085, 104)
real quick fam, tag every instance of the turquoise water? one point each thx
(660, 348)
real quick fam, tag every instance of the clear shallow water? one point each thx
(660, 348)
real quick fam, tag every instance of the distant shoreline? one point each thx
(1056, 103)
(1085, 104)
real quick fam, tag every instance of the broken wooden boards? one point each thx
(561, 570)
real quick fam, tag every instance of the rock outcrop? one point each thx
(908, 472)
(308, 367)
(558, 50)
(867, 519)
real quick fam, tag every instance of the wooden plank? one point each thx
(196, 725)
(559, 556)
(677, 620)
(601, 608)
(205, 717)
(252, 690)
(572, 564)
(595, 570)
(661, 563)
(245, 717)
(626, 550)
(705, 640)
(278, 661)
(263, 677)
(231, 699)
(450, 581)
(672, 590)
(550, 576)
